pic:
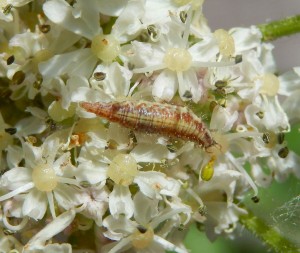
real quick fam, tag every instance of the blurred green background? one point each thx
(279, 207)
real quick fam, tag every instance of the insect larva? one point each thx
(151, 117)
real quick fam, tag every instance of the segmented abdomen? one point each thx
(151, 117)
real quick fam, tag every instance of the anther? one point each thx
(10, 130)
(255, 199)
(260, 114)
(99, 76)
(44, 28)
(18, 77)
(280, 138)
(221, 83)
(7, 9)
(183, 16)
(141, 229)
(266, 138)
(283, 152)
(238, 59)
(10, 60)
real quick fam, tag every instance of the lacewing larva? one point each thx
(151, 117)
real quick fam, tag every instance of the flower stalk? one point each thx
(280, 28)
(270, 236)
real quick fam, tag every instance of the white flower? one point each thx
(180, 64)
(274, 117)
(140, 231)
(95, 202)
(41, 180)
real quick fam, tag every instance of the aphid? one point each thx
(150, 117)
(207, 171)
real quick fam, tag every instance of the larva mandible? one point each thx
(151, 117)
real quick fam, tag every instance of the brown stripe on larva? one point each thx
(152, 117)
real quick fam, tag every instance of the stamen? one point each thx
(18, 227)
(195, 196)
(17, 191)
(212, 64)
(156, 221)
(66, 180)
(168, 245)
(243, 171)
(51, 204)
(149, 68)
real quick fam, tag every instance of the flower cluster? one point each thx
(73, 181)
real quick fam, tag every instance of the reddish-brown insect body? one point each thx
(151, 117)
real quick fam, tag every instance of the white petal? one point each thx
(118, 227)
(52, 229)
(60, 12)
(261, 178)
(222, 120)
(30, 126)
(91, 172)
(189, 84)
(147, 152)
(120, 202)
(289, 82)
(37, 112)
(129, 22)
(119, 134)
(67, 196)
(117, 80)
(80, 62)
(28, 41)
(267, 58)
(225, 216)
(145, 54)
(15, 178)
(145, 208)
(165, 85)
(154, 184)
(90, 95)
(205, 50)
(246, 38)
(14, 155)
(291, 105)
(112, 7)
(35, 204)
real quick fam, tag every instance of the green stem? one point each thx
(280, 28)
(269, 235)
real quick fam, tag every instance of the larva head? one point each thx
(104, 110)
